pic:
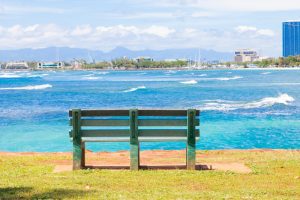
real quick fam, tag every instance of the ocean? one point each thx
(240, 109)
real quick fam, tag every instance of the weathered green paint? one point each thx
(164, 132)
(104, 122)
(77, 143)
(170, 132)
(191, 140)
(106, 133)
(162, 122)
(134, 142)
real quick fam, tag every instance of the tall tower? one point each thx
(290, 38)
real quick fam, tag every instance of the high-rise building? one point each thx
(291, 38)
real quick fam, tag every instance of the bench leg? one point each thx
(82, 155)
(77, 155)
(191, 155)
(134, 156)
(191, 140)
(78, 146)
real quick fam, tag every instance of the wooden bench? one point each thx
(133, 126)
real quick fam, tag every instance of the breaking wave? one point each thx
(189, 82)
(36, 75)
(222, 105)
(229, 78)
(90, 78)
(9, 76)
(29, 87)
(135, 89)
(103, 73)
(264, 73)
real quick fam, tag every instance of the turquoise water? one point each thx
(240, 108)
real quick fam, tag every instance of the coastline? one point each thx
(24, 153)
(156, 69)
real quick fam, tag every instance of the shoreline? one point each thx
(22, 153)
(155, 69)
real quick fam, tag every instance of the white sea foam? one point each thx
(229, 78)
(135, 89)
(264, 73)
(90, 78)
(172, 72)
(9, 75)
(201, 75)
(143, 73)
(88, 75)
(191, 82)
(223, 105)
(29, 87)
(36, 75)
(103, 73)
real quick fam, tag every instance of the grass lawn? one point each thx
(275, 175)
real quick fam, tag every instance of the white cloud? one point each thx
(31, 28)
(37, 35)
(254, 32)
(136, 37)
(266, 32)
(82, 30)
(243, 29)
(160, 31)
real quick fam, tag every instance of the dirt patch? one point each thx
(156, 159)
(232, 167)
(62, 168)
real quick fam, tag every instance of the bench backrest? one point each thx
(145, 125)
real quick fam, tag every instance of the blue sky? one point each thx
(222, 25)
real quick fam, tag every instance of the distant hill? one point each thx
(67, 54)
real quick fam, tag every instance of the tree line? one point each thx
(126, 63)
(291, 61)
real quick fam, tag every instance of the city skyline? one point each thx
(219, 25)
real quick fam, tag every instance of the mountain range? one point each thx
(68, 54)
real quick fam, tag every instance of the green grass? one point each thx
(275, 176)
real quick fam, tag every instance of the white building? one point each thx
(46, 65)
(245, 55)
(144, 58)
(16, 65)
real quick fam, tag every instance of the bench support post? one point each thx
(134, 142)
(78, 158)
(191, 140)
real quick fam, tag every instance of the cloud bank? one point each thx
(134, 37)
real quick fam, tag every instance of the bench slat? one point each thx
(164, 133)
(86, 113)
(164, 122)
(105, 133)
(104, 122)
(142, 133)
(141, 139)
(94, 113)
(162, 112)
(142, 122)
